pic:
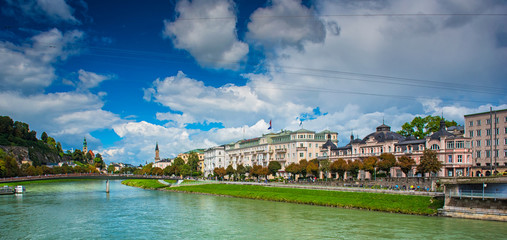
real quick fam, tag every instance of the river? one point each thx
(83, 210)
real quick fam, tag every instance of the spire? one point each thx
(156, 148)
(84, 142)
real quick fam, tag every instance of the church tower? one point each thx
(85, 146)
(157, 157)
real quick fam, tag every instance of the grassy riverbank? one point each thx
(24, 183)
(408, 204)
(146, 183)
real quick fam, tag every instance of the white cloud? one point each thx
(90, 79)
(212, 42)
(285, 23)
(67, 116)
(53, 10)
(28, 67)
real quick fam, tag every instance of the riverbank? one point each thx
(24, 183)
(419, 205)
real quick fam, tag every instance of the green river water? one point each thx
(83, 210)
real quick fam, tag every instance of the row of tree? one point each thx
(428, 164)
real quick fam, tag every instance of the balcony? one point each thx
(301, 149)
(281, 150)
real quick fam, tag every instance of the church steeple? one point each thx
(157, 157)
(85, 146)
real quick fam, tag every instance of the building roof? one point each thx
(383, 134)
(442, 132)
(494, 111)
(302, 130)
(330, 144)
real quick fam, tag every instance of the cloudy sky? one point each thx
(195, 74)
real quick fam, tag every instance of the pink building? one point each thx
(452, 148)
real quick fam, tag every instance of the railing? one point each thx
(477, 194)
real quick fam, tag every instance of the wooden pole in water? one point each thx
(107, 186)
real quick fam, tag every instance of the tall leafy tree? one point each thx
(312, 168)
(354, 167)
(293, 169)
(219, 172)
(230, 171)
(420, 127)
(324, 167)
(273, 167)
(44, 137)
(193, 161)
(405, 163)
(240, 170)
(303, 163)
(429, 162)
(369, 164)
(386, 162)
(178, 161)
(339, 166)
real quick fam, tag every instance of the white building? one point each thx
(214, 158)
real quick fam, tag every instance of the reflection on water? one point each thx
(84, 210)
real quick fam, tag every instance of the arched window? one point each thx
(435, 147)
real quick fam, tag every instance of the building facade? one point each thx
(488, 131)
(452, 148)
(213, 158)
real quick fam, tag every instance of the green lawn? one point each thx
(44, 181)
(408, 204)
(145, 183)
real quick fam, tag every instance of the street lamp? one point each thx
(375, 173)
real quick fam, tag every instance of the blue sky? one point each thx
(195, 74)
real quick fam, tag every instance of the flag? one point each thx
(269, 128)
(300, 123)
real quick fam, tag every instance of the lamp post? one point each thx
(375, 173)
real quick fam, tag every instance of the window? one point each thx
(449, 158)
(505, 141)
(309, 145)
(505, 130)
(496, 153)
(460, 144)
(435, 147)
(301, 154)
(488, 142)
(316, 154)
(478, 154)
(460, 158)
(488, 153)
(450, 145)
(496, 120)
(496, 142)
(488, 132)
(488, 121)
(310, 155)
(471, 124)
(478, 143)
(301, 145)
(505, 153)
(471, 133)
(478, 133)
(316, 145)
(497, 131)
(478, 122)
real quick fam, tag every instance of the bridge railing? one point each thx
(478, 194)
(77, 175)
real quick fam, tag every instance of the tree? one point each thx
(111, 168)
(193, 161)
(293, 169)
(99, 163)
(147, 169)
(386, 162)
(241, 170)
(324, 167)
(179, 161)
(230, 171)
(303, 164)
(420, 127)
(405, 163)
(44, 137)
(255, 171)
(219, 172)
(157, 171)
(11, 166)
(354, 166)
(339, 166)
(273, 167)
(369, 164)
(186, 170)
(312, 168)
(429, 162)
